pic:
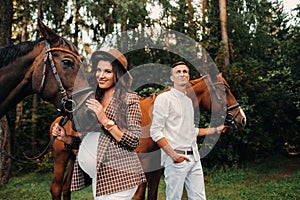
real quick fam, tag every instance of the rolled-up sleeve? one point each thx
(160, 114)
(132, 133)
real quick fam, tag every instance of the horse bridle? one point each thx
(67, 104)
(229, 118)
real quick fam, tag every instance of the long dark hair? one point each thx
(121, 79)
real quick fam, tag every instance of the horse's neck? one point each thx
(15, 80)
(199, 93)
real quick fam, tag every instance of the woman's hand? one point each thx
(60, 133)
(97, 107)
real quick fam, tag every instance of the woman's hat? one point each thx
(115, 54)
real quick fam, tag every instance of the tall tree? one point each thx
(223, 19)
(6, 15)
(35, 99)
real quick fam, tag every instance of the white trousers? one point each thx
(122, 195)
(185, 174)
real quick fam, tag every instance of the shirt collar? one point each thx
(178, 92)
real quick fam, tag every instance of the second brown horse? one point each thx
(206, 92)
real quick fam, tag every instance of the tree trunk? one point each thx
(35, 100)
(19, 107)
(5, 162)
(77, 20)
(191, 19)
(6, 15)
(203, 9)
(204, 55)
(223, 19)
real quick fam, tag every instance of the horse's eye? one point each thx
(67, 63)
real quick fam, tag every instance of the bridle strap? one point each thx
(232, 118)
(214, 90)
(64, 50)
(83, 90)
(49, 58)
(54, 71)
(88, 89)
(67, 103)
(43, 75)
(233, 107)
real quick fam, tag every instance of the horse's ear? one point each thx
(220, 75)
(48, 33)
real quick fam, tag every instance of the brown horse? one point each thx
(49, 67)
(204, 91)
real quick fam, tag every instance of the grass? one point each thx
(275, 179)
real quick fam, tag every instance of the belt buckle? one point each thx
(188, 150)
(185, 152)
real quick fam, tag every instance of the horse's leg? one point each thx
(68, 178)
(60, 158)
(153, 183)
(153, 179)
(150, 161)
(140, 193)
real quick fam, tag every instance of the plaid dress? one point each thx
(118, 166)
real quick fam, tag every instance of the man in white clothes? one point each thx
(174, 131)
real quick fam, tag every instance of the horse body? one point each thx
(15, 79)
(204, 93)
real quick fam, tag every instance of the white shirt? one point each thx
(173, 118)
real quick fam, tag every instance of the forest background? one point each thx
(259, 58)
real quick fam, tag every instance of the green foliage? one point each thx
(23, 142)
(149, 89)
(263, 73)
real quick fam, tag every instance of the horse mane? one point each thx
(11, 52)
(195, 81)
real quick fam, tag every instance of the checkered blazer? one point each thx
(118, 166)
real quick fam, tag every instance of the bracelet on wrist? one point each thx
(109, 125)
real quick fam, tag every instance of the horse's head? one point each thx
(213, 94)
(58, 78)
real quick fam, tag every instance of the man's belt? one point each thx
(184, 152)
